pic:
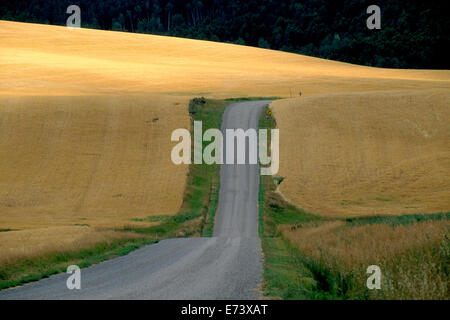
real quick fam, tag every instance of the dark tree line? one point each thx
(414, 34)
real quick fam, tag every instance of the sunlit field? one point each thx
(52, 60)
(86, 118)
(366, 153)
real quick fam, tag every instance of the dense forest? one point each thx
(414, 34)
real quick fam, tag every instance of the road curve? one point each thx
(226, 266)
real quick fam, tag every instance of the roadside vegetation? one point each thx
(310, 257)
(195, 218)
(196, 215)
(33, 269)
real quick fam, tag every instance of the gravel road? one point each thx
(226, 266)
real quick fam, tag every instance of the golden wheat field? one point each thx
(86, 117)
(366, 153)
(74, 167)
(53, 60)
(84, 157)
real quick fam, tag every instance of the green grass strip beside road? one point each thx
(288, 273)
(284, 277)
(29, 270)
(195, 217)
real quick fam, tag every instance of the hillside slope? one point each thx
(86, 117)
(366, 153)
(51, 60)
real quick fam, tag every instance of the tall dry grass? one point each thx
(413, 258)
(16, 246)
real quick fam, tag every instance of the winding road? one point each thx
(225, 266)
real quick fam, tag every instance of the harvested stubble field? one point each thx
(86, 117)
(366, 153)
(72, 165)
(53, 60)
